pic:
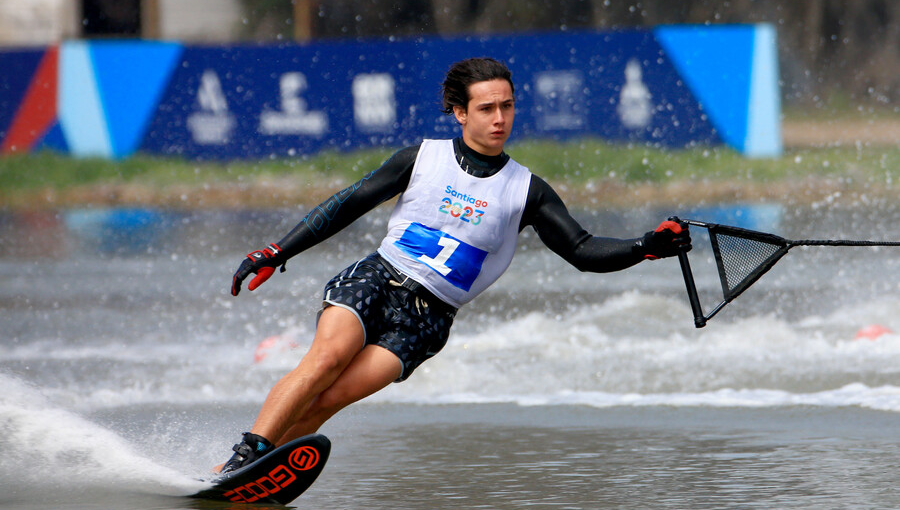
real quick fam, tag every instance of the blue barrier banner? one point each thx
(282, 101)
(131, 76)
(16, 81)
(668, 87)
(252, 102)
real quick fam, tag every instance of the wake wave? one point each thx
(883, 398)
(633, 348)
(49, 452)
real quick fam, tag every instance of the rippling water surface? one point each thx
(126, 370)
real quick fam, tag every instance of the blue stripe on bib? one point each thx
(457, 262)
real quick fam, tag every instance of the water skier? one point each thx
(452, 233)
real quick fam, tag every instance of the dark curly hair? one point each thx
(455, 88)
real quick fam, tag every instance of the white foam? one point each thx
(883, 398)
(49, 448)
(601, 355)
(632, 349)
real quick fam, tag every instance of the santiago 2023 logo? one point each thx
(466, 213)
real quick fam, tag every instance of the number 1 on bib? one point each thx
(439, 263)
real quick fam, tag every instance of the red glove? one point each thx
(670, 238)
(260, 262)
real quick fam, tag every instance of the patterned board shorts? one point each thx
(412, 324)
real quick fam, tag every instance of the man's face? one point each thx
(488, 120)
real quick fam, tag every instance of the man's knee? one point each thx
(330, 363)
(328, 403)
(320, 369)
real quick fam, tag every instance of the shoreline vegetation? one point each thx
(840, 162)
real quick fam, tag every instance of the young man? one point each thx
(452, 233)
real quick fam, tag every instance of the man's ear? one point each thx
(461, 115)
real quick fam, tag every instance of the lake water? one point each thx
(127, 370)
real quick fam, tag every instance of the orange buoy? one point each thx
(262, 350)
(872, 332)
(273, 344)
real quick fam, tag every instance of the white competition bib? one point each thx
(452, 232)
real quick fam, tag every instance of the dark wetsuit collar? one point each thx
(475, 163)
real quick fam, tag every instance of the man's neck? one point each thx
(475, 163)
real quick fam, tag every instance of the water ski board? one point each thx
(278, 477)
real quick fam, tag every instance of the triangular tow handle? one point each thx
(730, 292)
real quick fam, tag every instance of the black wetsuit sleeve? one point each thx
(559, 231)
(347, 205)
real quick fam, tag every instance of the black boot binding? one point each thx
(248, 451)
